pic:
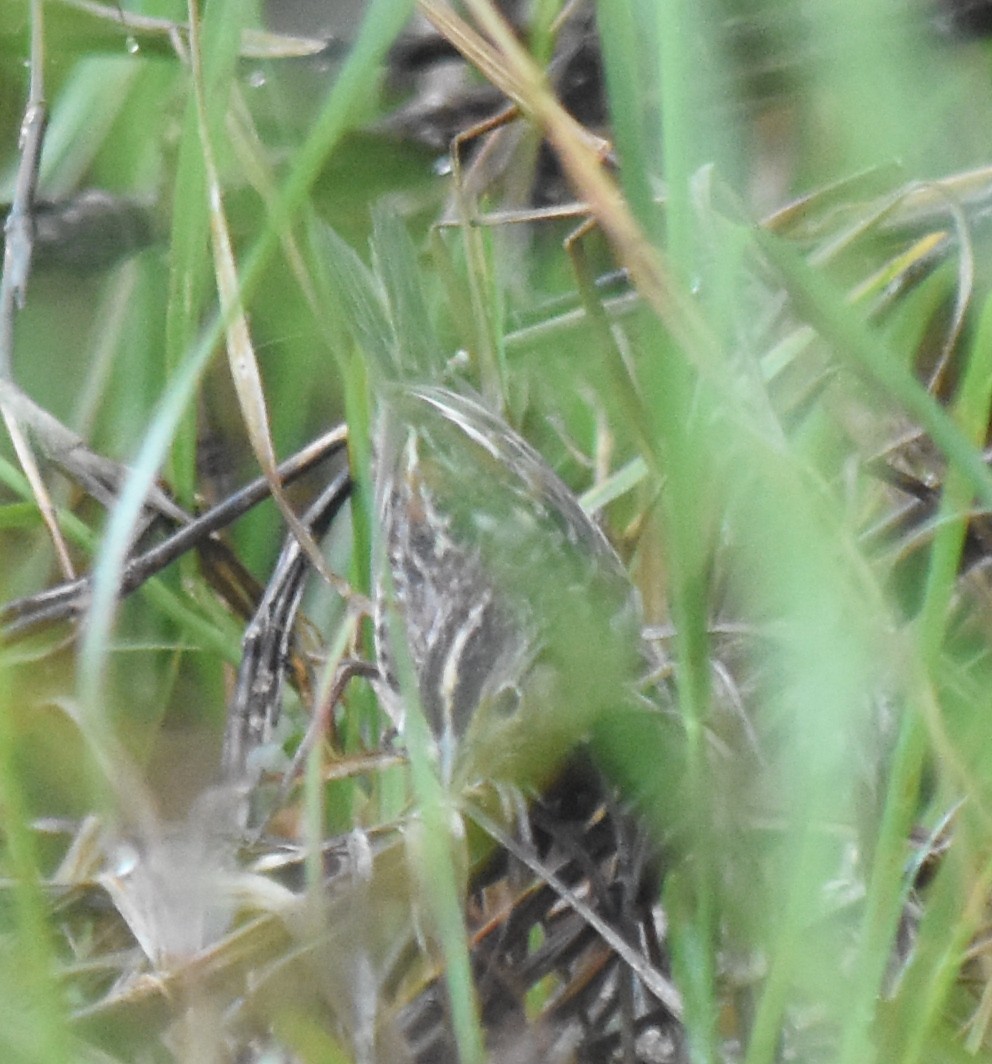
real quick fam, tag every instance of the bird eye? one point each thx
(506, 701)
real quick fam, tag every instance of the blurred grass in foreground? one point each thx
(834, 686)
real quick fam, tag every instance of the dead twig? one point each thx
(18, 244)
(66, 602)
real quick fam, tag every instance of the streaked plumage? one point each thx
(519, 618)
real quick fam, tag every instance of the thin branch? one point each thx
(67, 601)
(257, 703)
(18, 246)
(19, 227)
